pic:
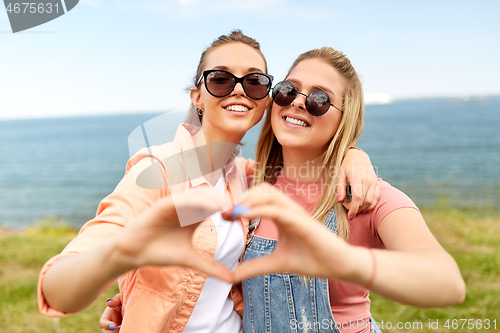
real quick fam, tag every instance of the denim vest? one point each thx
(286, 302)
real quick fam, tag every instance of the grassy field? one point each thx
(22, 255)
(471, 236)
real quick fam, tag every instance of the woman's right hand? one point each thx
(157, 237)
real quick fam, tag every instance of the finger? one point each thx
(347, 205)
(263, 210)
(353, 210)
(213, 268)
(236, 211)
(376, 197)
(372, 193)
(358, 195)
(368, 201)
(106, 321)
(199, 209)
(109, 330)
(228, 215)
(255, 267)
(114, 302)
(341, 185)
(263, 194)
(112, 316)
(180, 214)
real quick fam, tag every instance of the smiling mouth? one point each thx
(237, 108)
(294, 121)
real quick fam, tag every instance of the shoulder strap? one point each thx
(331, 220)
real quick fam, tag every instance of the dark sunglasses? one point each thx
(317, 102)
(220, 83)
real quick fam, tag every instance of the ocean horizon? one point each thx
(373, 100)
(433, 149)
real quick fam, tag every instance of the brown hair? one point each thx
(233, 37)
(236, 36)
(269, 154)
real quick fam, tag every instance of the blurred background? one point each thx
(72, 91)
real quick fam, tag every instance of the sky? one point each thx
(107, 57)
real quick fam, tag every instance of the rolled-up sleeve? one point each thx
(114, 212)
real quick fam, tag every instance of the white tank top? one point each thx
(214, 310)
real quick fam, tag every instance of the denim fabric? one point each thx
(285, 302)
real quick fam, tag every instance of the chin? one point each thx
(287, 142)
(239, 128)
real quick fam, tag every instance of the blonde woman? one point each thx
(316, 116)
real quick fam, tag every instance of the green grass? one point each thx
(22, 255)
(471, 236)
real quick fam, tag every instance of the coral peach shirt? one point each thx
(157, 299)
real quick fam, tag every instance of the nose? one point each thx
(238, 90)
(299, 102)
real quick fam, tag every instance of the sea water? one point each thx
(430, 148)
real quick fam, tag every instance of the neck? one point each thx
(213, 153)
(301, 165)
(216, 135)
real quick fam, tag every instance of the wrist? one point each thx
(120, 259)
(359, 266)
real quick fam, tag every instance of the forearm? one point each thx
(74, 282)
(423, 278)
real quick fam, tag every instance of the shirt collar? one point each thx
(186, 136)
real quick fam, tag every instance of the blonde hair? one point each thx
(236, 36)
(269, 155)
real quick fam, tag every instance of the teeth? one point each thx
(296, 122)
(239, 108)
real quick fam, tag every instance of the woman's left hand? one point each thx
(357, 170)
(111, 319)
(304, 247)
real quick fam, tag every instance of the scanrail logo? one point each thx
(26, 15)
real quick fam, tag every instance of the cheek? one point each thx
(261, 106)
(275, 115)
(329, 127)
(276, 111)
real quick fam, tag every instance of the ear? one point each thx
(195, 95)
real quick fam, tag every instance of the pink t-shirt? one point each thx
(350, 303)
